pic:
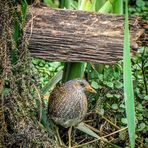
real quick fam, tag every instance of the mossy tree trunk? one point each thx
(19, 125)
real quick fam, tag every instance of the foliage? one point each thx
(46, 70)
(18, 120)
(109, 101)
(140, 76)
(139, 8)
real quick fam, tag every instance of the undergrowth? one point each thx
(19, 125)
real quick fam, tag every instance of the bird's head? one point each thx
(82, 85)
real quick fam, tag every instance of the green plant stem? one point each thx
(143, 73)
(73, 70)
(107, 7)
(118, 7)
(66, 4)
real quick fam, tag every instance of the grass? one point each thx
(128, 83)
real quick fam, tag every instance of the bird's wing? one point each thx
(55, 99)
(72, 105)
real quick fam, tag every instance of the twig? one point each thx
(102, 138)
(92, 128)
(111, 122)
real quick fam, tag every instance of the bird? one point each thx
(67, 104)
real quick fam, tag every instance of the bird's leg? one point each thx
(58, 135)
(69, 136)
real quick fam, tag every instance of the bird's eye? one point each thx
(82, 84)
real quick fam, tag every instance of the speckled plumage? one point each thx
(67, 104)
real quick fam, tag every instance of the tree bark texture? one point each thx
(66, 35)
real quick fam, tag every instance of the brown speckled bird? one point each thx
(67, 104)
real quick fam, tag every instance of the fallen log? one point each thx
(66, 35)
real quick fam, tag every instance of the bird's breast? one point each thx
(71, 109)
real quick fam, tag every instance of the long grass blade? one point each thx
(82, 127)
(52, 82)
(128, 85)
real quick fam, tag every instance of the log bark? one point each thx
(66, 35)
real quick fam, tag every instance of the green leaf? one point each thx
(73, 70)
(110, 84)
(100, 76)
(122, 105)
(139, 116)
(52, 82)
(108, 95)
(82, 4)
(94, 5)
(128, 85)
(117, 96)
(141, 126)
(82, 127)
(55, 64)
(115, 106)
(139, 107)
(107, 7)
(94, 85)
(35, 61)
(118, 85)
(122, 135)
(118, 7)
(59, 68)
(146, 98)
(140, 3)
(50, 3)
(146, 140)
(41, 64)
(124, 120)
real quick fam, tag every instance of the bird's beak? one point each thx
(90, 89)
